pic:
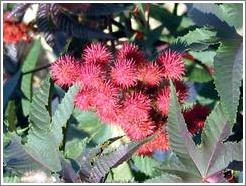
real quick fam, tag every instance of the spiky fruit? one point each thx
(65, 70)
(171, 64)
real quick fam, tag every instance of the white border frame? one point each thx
(95, 1)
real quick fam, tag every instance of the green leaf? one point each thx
(11, 116)
(165, 178)
(202, 35)
(29, 64)
(232, 13)
(216, 154)
(145, 164)
(39, 116)
(180, 139)
(206, 57)
(122, 174)
(9, 87)
(173, 165)
(62, 114)
(41, 143)
(228, 64)
(197, 72)
(73, 148)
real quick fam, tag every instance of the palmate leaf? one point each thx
(216, 154)
(180, 139)
(206, 162)
(26, 83)
(228, 64)
(62, 114)
(40, 143)
(45, 135)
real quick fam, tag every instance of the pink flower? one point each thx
(130, 51)
(195, 118)
(85, 99)
(123, 73)
(149, 74)
(172, 65)
(97, 53)
(65, 70)
(91, 75)
(160, 142)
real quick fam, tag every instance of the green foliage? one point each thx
(26, 83)
(197, 72)
(45, 136)
(40, 143)
(228, 64)
(122, 174)
(11, 116)
(62, 114)
(197, 164)
(232, 14)
(202, 35)
(145, 164)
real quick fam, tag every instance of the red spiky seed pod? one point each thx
(130, 51)
(149, 74)
(136, 105)
(97, 53)
(106, 102)
(123, 73)
(138, 129)
(171, 64)
(85, 99)
(65, 70)
(91, 75)
(159, 143)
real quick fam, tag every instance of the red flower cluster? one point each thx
(129, 90)
(14, 32)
